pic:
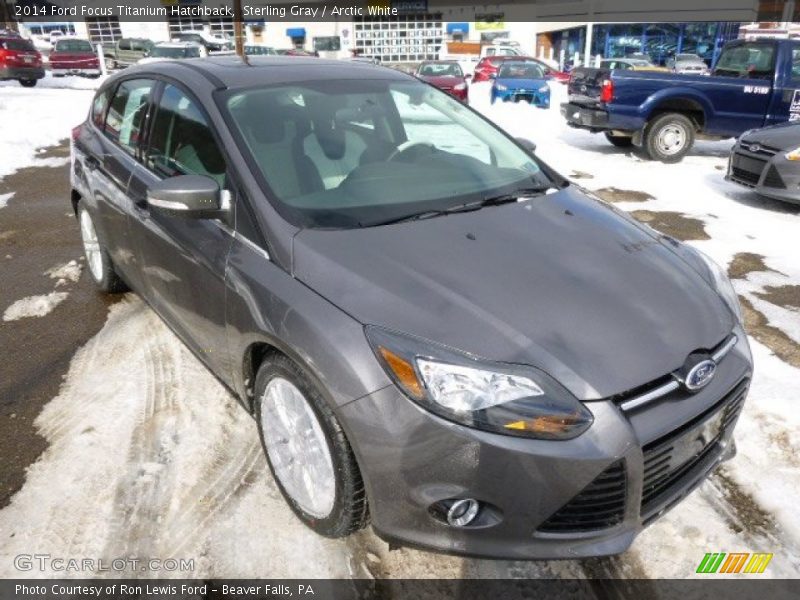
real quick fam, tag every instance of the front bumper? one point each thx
(542, 499)
(21, 73)
(77, 71)
(533, 97)
(584, 117)
(767, 171)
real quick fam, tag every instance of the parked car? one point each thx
(126, 52)
(19, 60)
(73, 56)
(174, 51)
(768, 161)
(259, 50)
(490, 65)
(753, 84)
(445, 75)
(631, 64)
(688, 64)
(524, 82)
(417, 311)
(211, 43)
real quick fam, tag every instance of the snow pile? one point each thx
(4, 198)
(149, 456)
(35, 118)
(68, 272)
(34, 306)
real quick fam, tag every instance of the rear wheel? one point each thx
(97, 259)
(307, 451)
(28, 82)
(620, 141)
(669, 137)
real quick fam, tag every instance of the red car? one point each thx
(72, 56)
(445, 75)
(489, 65)
(19, 60)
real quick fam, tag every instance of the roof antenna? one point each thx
(238, 31)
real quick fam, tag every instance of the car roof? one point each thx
(178, 45)
(231, 72)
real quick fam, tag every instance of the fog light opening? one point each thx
(462, 512)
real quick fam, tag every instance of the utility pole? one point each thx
(238, 28)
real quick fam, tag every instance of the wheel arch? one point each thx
(687, 102)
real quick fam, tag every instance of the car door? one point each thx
(112, 165)
(183, 260)
(786, 92)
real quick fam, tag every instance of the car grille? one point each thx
(757, 148)
(601, 504)
(746, 169)
(773, 179)
(666, 462)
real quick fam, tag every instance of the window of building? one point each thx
(103, 30)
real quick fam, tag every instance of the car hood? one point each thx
(785, 136)
(562, 282)
(526, 84)
(447, 81)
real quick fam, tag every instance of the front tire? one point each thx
(620, 141)
(308, 454)
(97, 259)
(28, 83)
(669, 137)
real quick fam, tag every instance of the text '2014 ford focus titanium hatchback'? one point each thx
(433, 329)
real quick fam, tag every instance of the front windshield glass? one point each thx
(520, 71)
(440, 70)
(347, 153)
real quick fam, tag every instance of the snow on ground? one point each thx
(41, 116)
(68, 272)
(34, 306)
(150, 456)
(4, 198)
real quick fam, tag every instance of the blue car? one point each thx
(521, 82)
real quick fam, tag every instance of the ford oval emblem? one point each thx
(700, 375)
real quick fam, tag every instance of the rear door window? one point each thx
(125, 120)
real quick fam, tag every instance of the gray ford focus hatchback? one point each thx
(434, 331)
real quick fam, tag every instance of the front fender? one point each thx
(266, 305)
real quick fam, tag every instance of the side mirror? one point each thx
(492, 75)
(527, 144)
(188, 196)
(468, 76)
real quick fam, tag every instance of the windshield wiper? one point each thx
(469, 206)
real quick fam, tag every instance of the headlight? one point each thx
(723, 284)
(544, 89)
(794, 154)
(460, 86)
(510, 399)
(500, 87)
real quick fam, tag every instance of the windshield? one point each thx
(172, 52)
(754, 60)
(440, 70)
(73, 46)
(356, 153)
(520, 71)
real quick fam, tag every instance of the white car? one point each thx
(173, 51)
